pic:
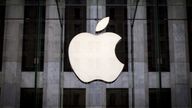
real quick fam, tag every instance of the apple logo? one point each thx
(93, 57)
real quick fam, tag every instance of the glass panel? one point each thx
(189, 17)
(117, 98)
(191, 96)
(159, 98)
(33, 37)
(157, 31)
(74, 98)
(2, 22)
(30, 98)
(116, 2)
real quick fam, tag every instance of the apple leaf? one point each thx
(102, 24)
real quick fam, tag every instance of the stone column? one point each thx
(140, 49)
(178, 54)
(95, 91)
(11, 70)
(96, 95)
(51, 87)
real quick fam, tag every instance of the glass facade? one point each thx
(35, 71)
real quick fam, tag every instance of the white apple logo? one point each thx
(92, 57)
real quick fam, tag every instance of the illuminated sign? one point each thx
(93, 57)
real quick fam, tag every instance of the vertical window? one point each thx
(191, 96)
(31, 99)
(2, 19)
(189, 17)
(33, 37)
(159, 98)
(117, 98)
(158, 40)
(75, 22)
(117, 11)
(74, 98)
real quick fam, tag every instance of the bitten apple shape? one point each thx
(92, 57)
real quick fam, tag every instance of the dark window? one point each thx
(116, 2)
(33, 37)
(75, 2)
(159, 98)
(75, 22)
(189, 16)
(2, 21)
(157, 31)
(191, 96)
(31, 99)
(117, 11)
(74, 98)
(117, 98)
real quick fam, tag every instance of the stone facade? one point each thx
(52, 80)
